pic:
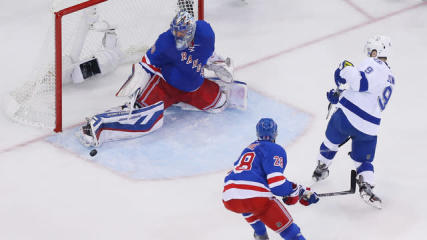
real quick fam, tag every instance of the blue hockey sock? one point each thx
(326, 152)
(259, 228)
(292, 233)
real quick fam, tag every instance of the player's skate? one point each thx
(87, 134)
(321, 172)
(261, 237)
(365, 190)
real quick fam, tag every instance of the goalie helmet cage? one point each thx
(137, 24)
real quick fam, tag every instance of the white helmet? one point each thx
(382, 44)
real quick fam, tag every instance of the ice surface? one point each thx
(284, 50)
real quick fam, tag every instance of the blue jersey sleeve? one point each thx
(158, 53)
(274, 164)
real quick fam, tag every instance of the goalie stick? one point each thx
(351, 191)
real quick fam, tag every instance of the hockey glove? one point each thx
(333, 96)
(309, 198)
(294, 197)
(222, 67)
(338, 79)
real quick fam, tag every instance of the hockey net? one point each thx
(77, 31)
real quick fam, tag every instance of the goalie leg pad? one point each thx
(238, 95)
(138, 79)
(118, 124)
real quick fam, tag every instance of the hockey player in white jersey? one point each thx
(367, 91)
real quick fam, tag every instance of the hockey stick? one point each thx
(351, 191)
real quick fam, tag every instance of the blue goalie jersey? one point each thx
(181, 69)
(258, 173)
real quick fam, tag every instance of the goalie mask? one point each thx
(381, 44)
(266, 129)
(183, 27)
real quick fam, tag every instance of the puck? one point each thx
(93, 152)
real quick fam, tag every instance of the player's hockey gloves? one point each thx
(338, 79)
(294, 197)
(308, 197)
(333, 96)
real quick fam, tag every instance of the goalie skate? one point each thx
(365, 190)
(86, 135)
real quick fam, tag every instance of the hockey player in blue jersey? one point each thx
(171, 71)
(257, 176)
(358, 115)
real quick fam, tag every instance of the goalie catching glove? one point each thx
(301, 194)
(223, 68)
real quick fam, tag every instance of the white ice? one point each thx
(286, 50)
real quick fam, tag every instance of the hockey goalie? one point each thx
(180, 68)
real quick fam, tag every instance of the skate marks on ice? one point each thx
(190, 142)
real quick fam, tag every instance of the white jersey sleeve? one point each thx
(370, 88)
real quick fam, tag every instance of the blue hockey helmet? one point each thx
(183, 27)
(266, 129)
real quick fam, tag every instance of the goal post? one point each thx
(71, 39)
(58, 56)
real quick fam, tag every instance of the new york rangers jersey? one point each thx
(181, 69)
(370, 86)
(258, 173)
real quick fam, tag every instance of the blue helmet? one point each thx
(183, 27)
(266, 129)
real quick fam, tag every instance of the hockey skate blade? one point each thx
(373, 201)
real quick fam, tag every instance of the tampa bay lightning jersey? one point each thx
(370, 86)
(258, 172)
(181, 69)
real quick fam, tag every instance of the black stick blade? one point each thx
(353, 181)
(351, 191)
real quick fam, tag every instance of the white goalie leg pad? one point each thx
(221, 105)
(138, 79)
(238, 95)
(118, 124)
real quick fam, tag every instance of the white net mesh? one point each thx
(137, 24)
